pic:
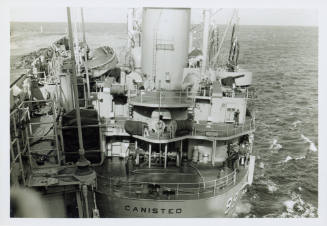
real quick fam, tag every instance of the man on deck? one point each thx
(236, 117)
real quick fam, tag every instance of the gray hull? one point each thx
(222, 205)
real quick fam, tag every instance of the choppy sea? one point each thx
(284, 61)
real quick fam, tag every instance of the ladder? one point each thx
(17, 143)
(43, 135)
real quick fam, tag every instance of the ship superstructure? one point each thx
(165, 137)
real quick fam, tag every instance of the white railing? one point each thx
(178, 96)
(161, 97)
(215, 130)
(164, 191)
(223, 130)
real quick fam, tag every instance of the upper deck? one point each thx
(201, 130)
(168, 99)
(180, 98)
(195, 182)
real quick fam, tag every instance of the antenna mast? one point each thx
(206, 23)
(85, 56)
(82, 161)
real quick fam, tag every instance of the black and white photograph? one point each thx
(162, 111)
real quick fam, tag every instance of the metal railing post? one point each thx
(55, 131)
(19, 150)
(214, 188)
(234, 177)
(12, 152)
(28, 147)
(21, 162)
(227, 130)
(150, 146)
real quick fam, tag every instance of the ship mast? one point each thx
(130, 29)
(215, 59)
(206, 23)
(82, 161)
(85, 60)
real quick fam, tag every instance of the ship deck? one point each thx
(193, 173)
(201, 131)
(189, 182)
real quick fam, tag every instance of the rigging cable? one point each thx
(216, 57)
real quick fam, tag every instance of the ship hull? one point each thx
(222, 205)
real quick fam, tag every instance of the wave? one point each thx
(295, 124)
(243, 208)
(261, 165)
(312, 147)
(296, 207)
(272, 187)
(289, 204)
(275, 146)
(300, 157)
(288, 158)
(305, 138)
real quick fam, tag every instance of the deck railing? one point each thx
(18, 140)
(165, 191)
(161, 97)
(223, 130)
(180, 96)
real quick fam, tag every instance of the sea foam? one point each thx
(275, 146)
(312, 147)
(272, 187)
(294, 124)
(288, 158)
(296, 207)
(243, 208)
(261, 165)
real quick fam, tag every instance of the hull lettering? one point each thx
(136, 209)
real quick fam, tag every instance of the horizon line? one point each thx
(280, 25)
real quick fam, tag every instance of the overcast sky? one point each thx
(301, 17)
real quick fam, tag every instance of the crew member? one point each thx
(236, 117)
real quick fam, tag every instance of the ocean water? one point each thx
(284, 62)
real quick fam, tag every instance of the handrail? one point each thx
(217, 130)
(161, 183)
(171, 96)
(15, 143)
(225, 129)
(180, 190)
(178, 96)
